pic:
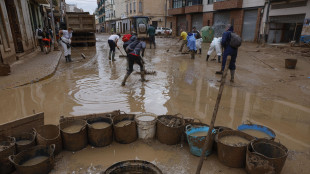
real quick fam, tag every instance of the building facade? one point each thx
(101, 15)
(18, 19)
(244, 15)
(120, 19)
(286, 20)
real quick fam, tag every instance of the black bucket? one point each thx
(98, 136)
(133, 166)
(265, 156)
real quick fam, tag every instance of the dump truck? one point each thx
(84, 28)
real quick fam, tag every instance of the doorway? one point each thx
(14, 24)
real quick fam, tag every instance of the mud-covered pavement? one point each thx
(264, 93)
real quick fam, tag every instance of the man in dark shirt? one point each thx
(151, 33)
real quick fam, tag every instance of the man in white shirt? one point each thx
(39, 37)
(65, 41)
(113, 39)
(215, 45)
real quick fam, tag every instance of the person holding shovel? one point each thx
(133, 57)
(65, 41)
(215, 45)
(191, 44)
(113, 39)
(183, 37)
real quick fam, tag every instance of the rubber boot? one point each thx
(219, 72)
(232, 76)
(69, 58)
(142, 76)
(113, 55)
(192, 54)
(219, 59)
(66, 58)
(207, 57)
(124, 80)
(110, 55)
(199, 50)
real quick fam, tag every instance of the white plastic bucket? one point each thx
(146, 123)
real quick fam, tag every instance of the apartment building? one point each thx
(120, 18)
(100, 12)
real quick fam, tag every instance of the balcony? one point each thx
(194, 9)
(227, 4)
(176, 11)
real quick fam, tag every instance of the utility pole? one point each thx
(53, 27)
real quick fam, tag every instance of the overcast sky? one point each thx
(86, 5)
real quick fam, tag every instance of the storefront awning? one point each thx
(288, 18)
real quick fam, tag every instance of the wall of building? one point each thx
(25, 25)
(7, 48)
(253, 3)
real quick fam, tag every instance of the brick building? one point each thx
(244, 15)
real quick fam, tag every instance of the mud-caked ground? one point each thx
(264, 93)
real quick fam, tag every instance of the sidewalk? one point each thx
(31, 68)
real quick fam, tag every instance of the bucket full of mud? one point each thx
(47, 135)
(231, 147)
(146, 123)
(74, 134)
(290, 63)
(133, 166)
(25, 141)
(37, 160)
(169, 129)
(196, 137)
(125, 128)
(194, 123)
(257, 131)
(100, 131)
(219, 129)
(265, 156)
(7, 148)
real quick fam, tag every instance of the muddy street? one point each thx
(264, 93)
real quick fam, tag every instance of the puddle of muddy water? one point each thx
(181, 85)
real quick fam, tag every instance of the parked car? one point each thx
(163, 30)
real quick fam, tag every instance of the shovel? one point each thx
(172, 45)
(121, 52)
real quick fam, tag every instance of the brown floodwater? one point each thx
(181, 85)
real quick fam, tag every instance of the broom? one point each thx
(121, 52)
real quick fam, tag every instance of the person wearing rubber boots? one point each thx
(191, 44)
(113, 39)
(65, 42)
(228, 51)
(215, 45)
(134, 50)
(183, 37)
(151, 33)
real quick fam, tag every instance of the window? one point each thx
(210, 1)
(114, 13)
(127, 8)
(130, 8)
(193, 2)
(140, 6)
(178, 3)
(134, 6)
